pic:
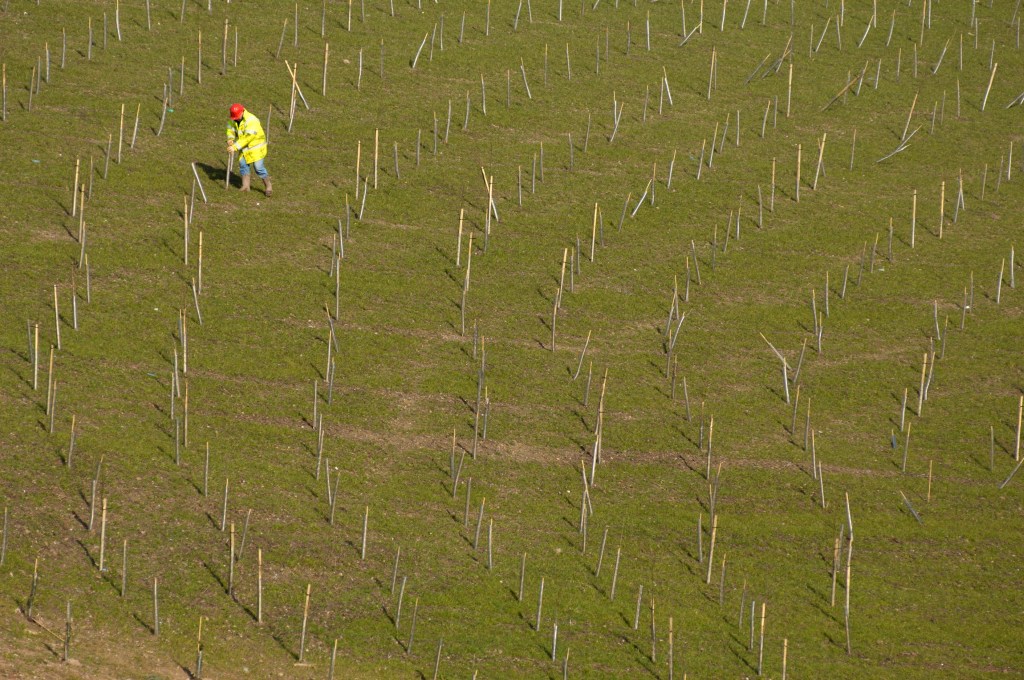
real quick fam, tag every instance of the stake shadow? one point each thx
(85, 549)
(170, 250)
(777, 393)
(71, 235)
(216, 576)
(283, 645)
(150, 629)
(835, 641)
(446, 257)
(582, 417)
(217, 174)
(188, 673)
(80, 520)
(818, 602)
(739, 650)
(309, 489)
(316, 369)
(250, 612)
(686, 460)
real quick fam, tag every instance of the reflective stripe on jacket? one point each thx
(248, 137)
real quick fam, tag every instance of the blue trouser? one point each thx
(243, 167)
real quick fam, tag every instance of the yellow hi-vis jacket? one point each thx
(248, 137)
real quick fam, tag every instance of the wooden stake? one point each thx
(231, 563)
(920, 391)
(799, 151)
(913, 217)
(615, 573)
(1020, 420)
(760, 653)
(988, 89)
(366, 524)
(35, 358)
(224, 507)
(156, 608)
(789, 90)
(540, 604)
(103, 534)
(56, 315)
(305, 618)
(711, 548)
(821, 157)
(259, 585)
(522, 576)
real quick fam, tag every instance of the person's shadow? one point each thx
(217, 174)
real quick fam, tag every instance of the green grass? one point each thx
(938, 596)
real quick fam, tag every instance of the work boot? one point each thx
(245, 182)
(266, 184)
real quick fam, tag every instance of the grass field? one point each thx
(933, 582)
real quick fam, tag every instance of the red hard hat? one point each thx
(236, 111)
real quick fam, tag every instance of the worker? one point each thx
(247, 139)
